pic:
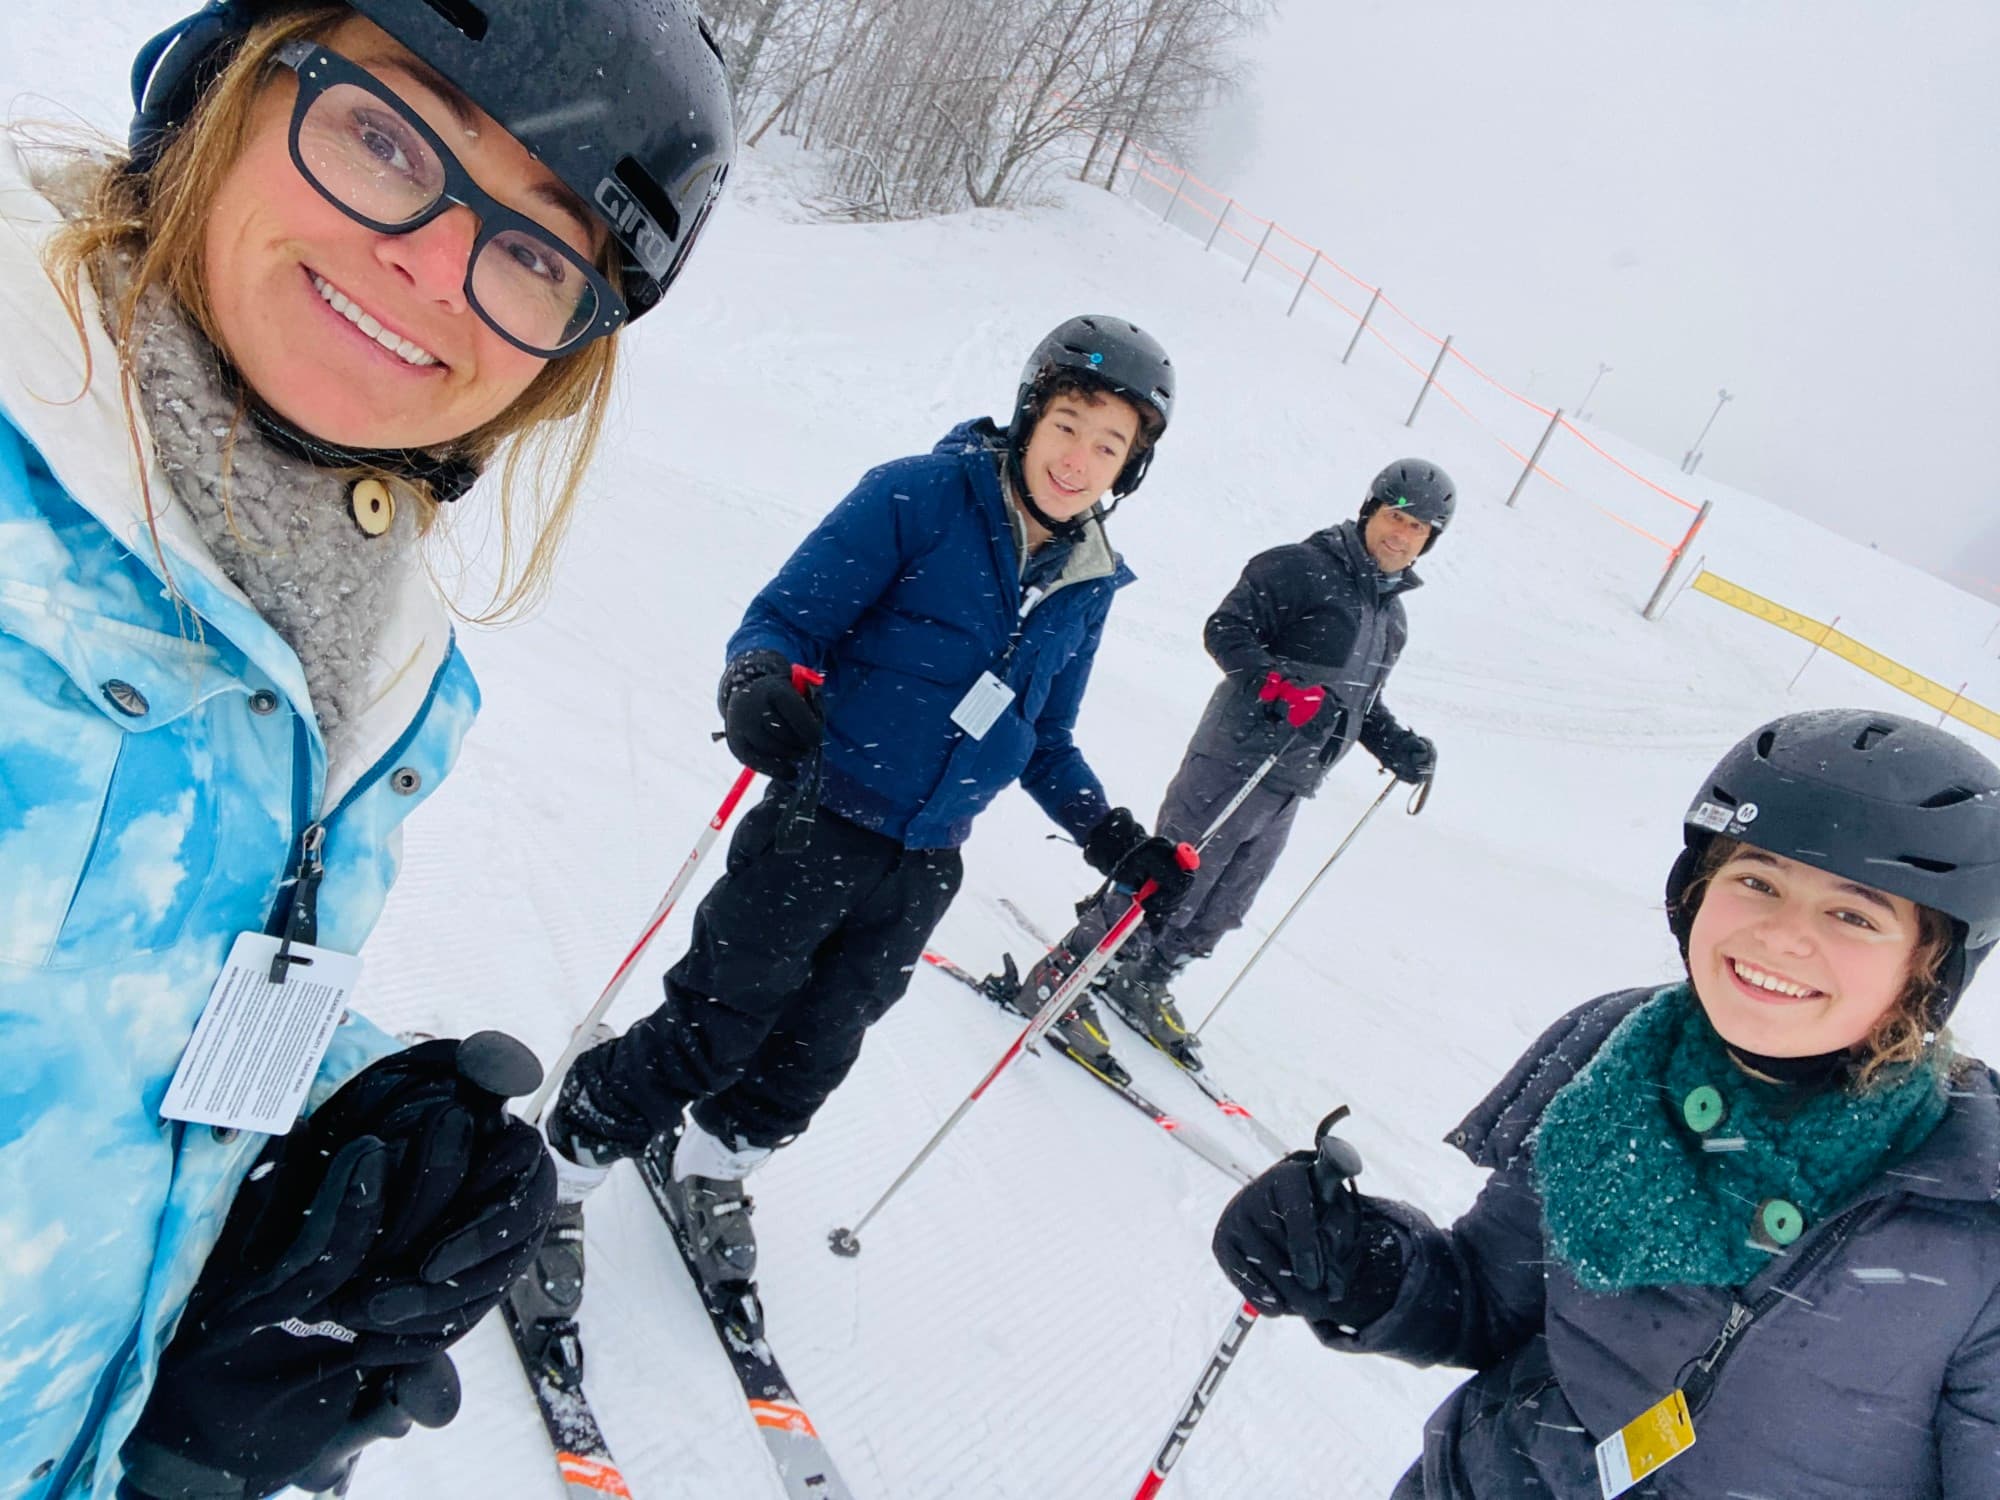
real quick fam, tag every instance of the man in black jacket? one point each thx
(1306, 638)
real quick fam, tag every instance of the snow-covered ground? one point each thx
(1026, 1317)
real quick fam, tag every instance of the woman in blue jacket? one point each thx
(953, 603)
(1754, 1212)
(352, 253)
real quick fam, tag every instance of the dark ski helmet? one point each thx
(624, 100)
(1110, 354)
(1884, 801)
(1418, 486)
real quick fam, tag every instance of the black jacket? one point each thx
(1317, 611)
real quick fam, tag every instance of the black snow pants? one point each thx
(794, 955)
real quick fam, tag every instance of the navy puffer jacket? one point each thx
(1871, 1370)
(902, 596)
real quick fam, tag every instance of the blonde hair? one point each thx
(1902, 1034)
(157, 218)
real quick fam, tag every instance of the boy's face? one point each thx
(1076, 451)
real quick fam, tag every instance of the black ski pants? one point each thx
(794, 955)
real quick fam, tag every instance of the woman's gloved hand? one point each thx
(370, 1238)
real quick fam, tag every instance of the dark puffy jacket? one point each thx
(1871, 1369)
(902, 596)
(1318, 611)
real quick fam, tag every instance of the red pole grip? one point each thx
(1187, 857)
(804, 677)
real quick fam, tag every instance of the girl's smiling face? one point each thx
(1789, 960)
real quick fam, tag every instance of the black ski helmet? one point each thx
(1885, 801)
(1111, 354)
(624, 100)
(1419, 487)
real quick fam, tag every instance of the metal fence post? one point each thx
(1823, 636)
(1535, 457)
(1674, 561)
(1443, 350)
(1259, 255)
(1174, 201)
(1304, 282)
(1693, 573)
(1362, 327)
(1221, 219)
(1954, 702)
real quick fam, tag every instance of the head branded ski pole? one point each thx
(1417, 799)
(846, 1241)
(1336, 1164)
(802, 678)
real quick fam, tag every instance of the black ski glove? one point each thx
(769, 724)
(1119, 848)
(360, 1246)
(1409, 757)
(1289, 1250)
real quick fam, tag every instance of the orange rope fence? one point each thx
(1177, 181)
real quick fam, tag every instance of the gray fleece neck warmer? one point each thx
(283, 530)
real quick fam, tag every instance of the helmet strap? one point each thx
(445, 476)
(1069, 529)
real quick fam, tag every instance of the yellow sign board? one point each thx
(1936, 694)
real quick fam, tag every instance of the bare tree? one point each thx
(930, 106)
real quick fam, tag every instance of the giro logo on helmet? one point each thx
(654, 250)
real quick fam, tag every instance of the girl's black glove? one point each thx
(770, 725)
(1292, 1248)
(360, 1246)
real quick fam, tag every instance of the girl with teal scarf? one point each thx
(1742, 1233)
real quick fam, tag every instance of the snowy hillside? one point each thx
(1026, 1317)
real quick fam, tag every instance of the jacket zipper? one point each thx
(1698, 1386)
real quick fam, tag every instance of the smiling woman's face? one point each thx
(1789, 960)
(361, 338)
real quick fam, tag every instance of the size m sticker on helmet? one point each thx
(1710, 816)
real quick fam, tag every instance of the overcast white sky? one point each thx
(1796, 199)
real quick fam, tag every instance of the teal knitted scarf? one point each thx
(1634, 1194)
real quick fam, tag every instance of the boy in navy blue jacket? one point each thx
(954, 602)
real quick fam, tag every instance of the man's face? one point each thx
(1394, 538)
(1076, 451)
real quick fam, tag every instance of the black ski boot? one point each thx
(543, 1303)
(1139, 993)
(1080, 1030)
(714, 1217)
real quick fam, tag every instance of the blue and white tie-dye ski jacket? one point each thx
(158, 763)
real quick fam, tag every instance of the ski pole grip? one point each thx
(1187, 856)
(804, 677)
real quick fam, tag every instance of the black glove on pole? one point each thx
(1410, 758)
(366, 1241)
(1301, 1240)
(1120, 849)
(771, 725)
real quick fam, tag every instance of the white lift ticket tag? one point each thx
(258, 1044)
(980, 709)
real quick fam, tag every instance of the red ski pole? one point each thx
(802, 678)
(1334, 1169)
(847, 1241)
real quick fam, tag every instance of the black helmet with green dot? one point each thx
(1418, 488)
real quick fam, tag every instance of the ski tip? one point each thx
(783, 1416)
(844, 1242)
(592, 1474)
(1231, 1107)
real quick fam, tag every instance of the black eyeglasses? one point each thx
(380, 164)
